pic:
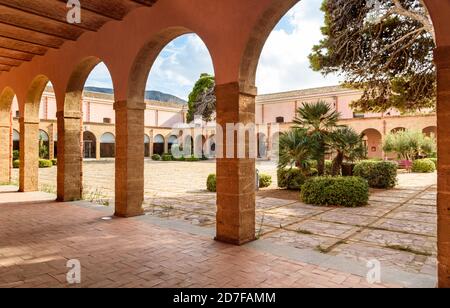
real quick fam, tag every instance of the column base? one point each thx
(129, 215)
(231, 241)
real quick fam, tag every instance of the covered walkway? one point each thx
(37, 240)
(38, 46)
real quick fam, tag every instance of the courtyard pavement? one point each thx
(397, 228)
(38, 240)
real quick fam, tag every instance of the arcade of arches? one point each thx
(245, 24)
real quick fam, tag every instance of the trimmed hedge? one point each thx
(291, 178)
(45, 163)
(211, 183)
(156, 157)
(265, 180)
(423, 166)
(336, 191)
(167, 157)
(379, 174)
(192, 159)
(435, 161)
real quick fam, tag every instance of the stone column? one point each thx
(151, 142)
(442, 59)
(29, 156)
(235, 176)
(129, 158)
(51, 142)
(5, 154)
(97, 148)
(70, 161)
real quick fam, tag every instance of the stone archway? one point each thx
(158, 144)
(373, 140)
(430, 131)
(107, 145)
(6, 100)
(89, 145)
(29, 135)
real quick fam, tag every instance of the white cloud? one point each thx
(283, 66)
(284, 63)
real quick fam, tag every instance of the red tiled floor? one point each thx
(36, 240)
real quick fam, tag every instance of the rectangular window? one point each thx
(358, 115)
(280, 119)
(107, 120)
(17, 114)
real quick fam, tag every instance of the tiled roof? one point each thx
(329, 91)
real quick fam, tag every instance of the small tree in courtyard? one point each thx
(295, 149)
(319, 120)
(348, 145)
(410, 145)
(202, 99)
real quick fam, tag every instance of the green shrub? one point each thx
(435, 161)
(16, 164)
(379, 174)
(192, 158)
(328, 167)
(291, 178)
(167, 157)
(211, 183)
(45, 163)
(156, 157)
(423, 166)
(336, 191)
(265, 180)
(54, 162)
(16, 155)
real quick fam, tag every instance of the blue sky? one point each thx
(283, 66)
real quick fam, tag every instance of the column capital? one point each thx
(239, 87)
(69, 115)
(130, 105)
(442, 57)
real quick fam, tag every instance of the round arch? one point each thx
(107, 145)
(89, 145)
(158, 144)
(147, 56)
(373, 140)
(6, 101)
(430, 131)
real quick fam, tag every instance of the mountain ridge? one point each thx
(149, 95)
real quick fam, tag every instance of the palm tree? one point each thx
(348, 145)
(319, 120)
(295, 149)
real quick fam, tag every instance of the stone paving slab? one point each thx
(388, 257)
(323, 228)
(421, 228)
(346, 218)
(419, 243)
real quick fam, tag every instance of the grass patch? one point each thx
(409, 249)
(302, 231)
